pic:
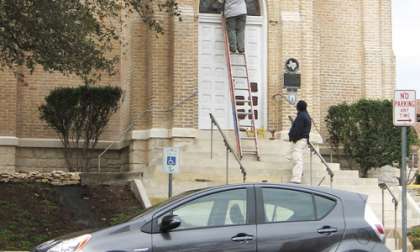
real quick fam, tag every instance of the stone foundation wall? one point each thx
(31, 159)
(7, 158)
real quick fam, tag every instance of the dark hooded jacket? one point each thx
(301, 126)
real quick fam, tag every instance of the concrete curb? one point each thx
(139, 191)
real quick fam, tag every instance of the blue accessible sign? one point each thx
(171, 160)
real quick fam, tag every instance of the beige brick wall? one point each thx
(8, 103)
(341, 52)
(184, 68)
(274, 63)
(344, 47)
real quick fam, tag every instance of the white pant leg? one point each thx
(297, 155)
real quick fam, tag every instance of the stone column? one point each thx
(274, 63)
(388, 58)
(291, 22)
(372, 44)
(184, 75)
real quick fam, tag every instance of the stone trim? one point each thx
(52, 143)
(164, 133)
(186, 10)
(117, 145)
(8, 141)
(216, 18)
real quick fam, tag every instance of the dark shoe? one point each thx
(241, 51)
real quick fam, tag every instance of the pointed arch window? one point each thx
(214, 7)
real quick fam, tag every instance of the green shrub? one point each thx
(414, 236)
(365, 130)
(79, 116)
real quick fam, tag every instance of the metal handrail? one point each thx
(122, 136)
(384, 187)
(325, 163)
(130, 126)
(228, 149)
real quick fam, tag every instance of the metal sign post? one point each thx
(170, 165)
(404, 187)
(404, 116)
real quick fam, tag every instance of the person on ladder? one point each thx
(299, 135)
(235, 12)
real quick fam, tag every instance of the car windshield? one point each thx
(164, 203)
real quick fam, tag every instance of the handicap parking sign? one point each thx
(171, 159)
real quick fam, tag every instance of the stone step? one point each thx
(321, 171)
(266, 149)
(347, 183)
(391, 243)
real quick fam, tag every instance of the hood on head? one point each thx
(301, 106)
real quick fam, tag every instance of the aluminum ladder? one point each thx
(243, 102)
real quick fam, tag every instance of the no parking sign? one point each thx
(405, 108)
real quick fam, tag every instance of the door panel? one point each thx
(206, 240)
(221, 221)
(214, 93)
(289, 224)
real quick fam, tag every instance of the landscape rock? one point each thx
(53, 178)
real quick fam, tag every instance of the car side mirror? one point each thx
(169, 222)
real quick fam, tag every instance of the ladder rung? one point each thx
(241, 65)
(243, 101)
(246, 126)
(244, 113)
(242, 89)
(247, 138)
(249, 151)
(239, 77)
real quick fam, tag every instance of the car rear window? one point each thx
(323, 206)
(282, 205)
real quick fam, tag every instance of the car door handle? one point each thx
(242, 237)
(327, 230)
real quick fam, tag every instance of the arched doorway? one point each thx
(212, 71)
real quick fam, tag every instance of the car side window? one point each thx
(218, 209)
(283, 205)
(323, 206)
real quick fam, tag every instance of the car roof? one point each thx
(321, 189)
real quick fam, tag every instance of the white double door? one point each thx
(214, 93)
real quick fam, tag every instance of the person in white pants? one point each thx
(299, 135)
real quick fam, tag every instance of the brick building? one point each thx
(418, 118)
(173, 81)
